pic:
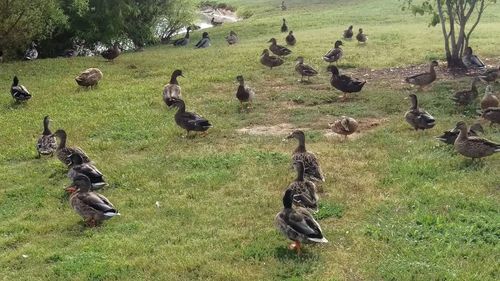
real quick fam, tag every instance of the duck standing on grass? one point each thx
(89, 77)
(93, 207)
(63, 152)
(290, 39)
(46, 144)
(312, 170)
(361, 37)
(348, 33)
(344, 83)
(232, 38)
(492, 114)
(19, 92)
(270, 61)
(304, 69)
(417, 117)
(278, 49)
(304, 191)
(335, 54)
(189, 121)
(284, 27)
(112, 53)
(204, 41)
(489, 99)
(423, 79)
(297, 224)
(172, 90)
(473, 147)
(244, 93)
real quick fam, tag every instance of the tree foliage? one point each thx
(458, 19)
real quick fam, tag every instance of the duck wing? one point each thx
(477, 62)
(98, 202)
(46, 144)
(302, 222)
(196, 120)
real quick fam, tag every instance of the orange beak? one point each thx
(70, 189)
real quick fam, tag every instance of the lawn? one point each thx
(397, 204)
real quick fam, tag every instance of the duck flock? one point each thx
(300, 200)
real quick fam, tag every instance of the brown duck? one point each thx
(304, 191)
(344, 126)
(450, 136)
(290, 39)
(423, 79)
(278, 49)
(300, 154)
(466, 97)
(112, 53)
(64, 152)
(91, 206)
(89, 77)
(46, 144)
(489, 99)
(473, 147)
(490, 75)
(270, 61)
(492, 114)
(304, 69)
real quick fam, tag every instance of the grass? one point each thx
(397, 205)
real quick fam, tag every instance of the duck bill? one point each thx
(288, 137)
(70, 189)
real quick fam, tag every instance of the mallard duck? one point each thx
(232, 38)
(112, 53)
(417, 117)
(31, 53)
(183, 41)
(278, 49)
(450, 136)
(334, 54)
(344, 126)
(64, 152)
(304, 69)
(283, 6)
(492, 114)
(189, 121)
(89, 77)
(489, 99)
(297, 224)
(423, 79)
(361, 37)
(244, 93)
(204, 41)
(348, 33)
(468, 96)
(215, 23)
(270, 61)
(304, 191)
(46, 144)
(473, 147)
(284, 27)
(93, 207)
(19, 92)
(344, 83)
(490, 75)
(312, 169)
(470, 60)
(77, 167)
(172, 90)
(290, 39)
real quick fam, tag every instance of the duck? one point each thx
(31, 53)
(344, 126)
(490, 75)
(450, 136)
(270, 61)
(297, 224)
(232, 38)
(112, 53)
(63, 152)
(344, 83)
(172, 90)
(472, 61)
(473, 147)
(492, 114)
(284, 27)
(278, 49)
(304, 190)
(466, 97)
(189, 121)
(417, 117)
(77, 167)
(19, 92)
(89, 77)
(46, 144)
(304, 69)
(312, 169)
(215, 23)
(204, 41)
(184, 41)
(290, 39)
(423, 79)
(489, 99)
(244, 93)
(283, 6)
(361, 37)
(348, 33)
(93, 207)
(335, 54)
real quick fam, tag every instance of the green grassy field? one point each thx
(397, 205)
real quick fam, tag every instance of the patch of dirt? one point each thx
(275, 130)
(365, 125)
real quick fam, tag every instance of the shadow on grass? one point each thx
(471, 165)
(285, 254)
